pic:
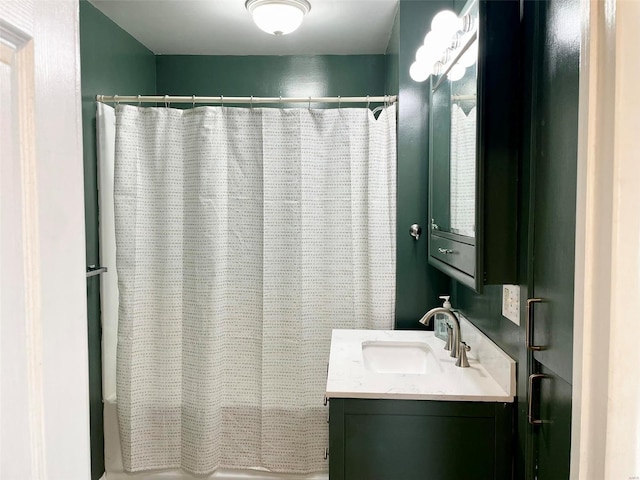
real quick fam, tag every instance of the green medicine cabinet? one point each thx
(474, 125)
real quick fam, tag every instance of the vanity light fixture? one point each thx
(278, 17)
(448, 34)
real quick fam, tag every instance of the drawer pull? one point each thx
(445, 251)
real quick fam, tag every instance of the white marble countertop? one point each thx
(490, 381)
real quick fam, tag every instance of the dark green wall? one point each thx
(111, 62)
(418, 285)
(272, 76)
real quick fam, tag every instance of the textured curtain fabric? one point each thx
(463, 171)
(105, 149)
(244, 236)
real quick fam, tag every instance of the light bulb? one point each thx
(469, 57)
(425, 55)
(446, 23)
(278, 17)
(436, 43)
(419, 72)
(456, 72)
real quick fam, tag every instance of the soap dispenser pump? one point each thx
(447, 303)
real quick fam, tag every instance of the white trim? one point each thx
(593, 244)
(606, 413)
(623, 425)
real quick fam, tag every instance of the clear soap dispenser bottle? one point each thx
(440, 320)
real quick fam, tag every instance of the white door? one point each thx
(44, 427)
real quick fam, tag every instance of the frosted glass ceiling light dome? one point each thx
(278, 17)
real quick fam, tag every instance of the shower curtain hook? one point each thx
(251, 102)
(166, 101)
(193, 101)
(115, 98)
(339, 103)
(368, 101)
(280, 101)
(222, 100)
(139, 101)
(309, 102)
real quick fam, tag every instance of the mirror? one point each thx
(454, 140)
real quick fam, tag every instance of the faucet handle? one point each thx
(462, 359)
(449, 343)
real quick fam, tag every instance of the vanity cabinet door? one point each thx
(418, 440)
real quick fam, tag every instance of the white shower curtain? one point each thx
(463, 170)
(244, 236)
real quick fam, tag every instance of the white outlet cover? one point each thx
(511, 303)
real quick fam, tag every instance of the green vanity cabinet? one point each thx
(419, 440)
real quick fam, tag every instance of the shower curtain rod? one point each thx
(193, 99)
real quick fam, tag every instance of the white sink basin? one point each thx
(388, 356)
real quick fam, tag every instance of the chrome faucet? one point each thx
(456, 347)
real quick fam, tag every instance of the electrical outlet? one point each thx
(511, 303)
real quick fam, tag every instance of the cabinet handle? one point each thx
(532, 377)
(529, 326)
(445, 251)
(325, 401)
(326, 453)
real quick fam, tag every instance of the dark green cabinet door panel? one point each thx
(555, 166)
(391, 447)
(552, 438)
(554, 172)
(419, 440)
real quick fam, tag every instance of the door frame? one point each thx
(606, 413)
(50, 323)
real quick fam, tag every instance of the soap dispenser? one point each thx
(440, 320)
(447, 303)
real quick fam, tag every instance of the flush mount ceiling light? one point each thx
(278, 17)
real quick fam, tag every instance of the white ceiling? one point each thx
(224, 27)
